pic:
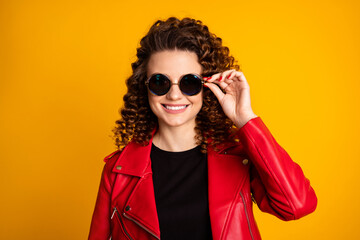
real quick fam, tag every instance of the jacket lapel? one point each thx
(140, 206)
(226, 175)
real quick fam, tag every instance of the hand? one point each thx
(235, 102)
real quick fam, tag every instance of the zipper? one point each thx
(247, 216)
(122, 224)
(142, 226)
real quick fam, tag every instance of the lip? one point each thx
(173, 110)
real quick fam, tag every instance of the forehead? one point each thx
(173, 63)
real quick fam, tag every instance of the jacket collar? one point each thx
(134, 158)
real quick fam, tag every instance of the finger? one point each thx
(239, 76)
(226, 74)
(213, 77)
(227, 81)
(216, 90)
(231, 75)
(219, 76)
(223, 84)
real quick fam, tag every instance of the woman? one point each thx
(193, 156)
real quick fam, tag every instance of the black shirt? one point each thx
(181, 193)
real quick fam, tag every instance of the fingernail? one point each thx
(206, 86)
(228, 76)
(205, 78)
(220, 78)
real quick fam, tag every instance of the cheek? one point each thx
(153, 100)
(198, 101)
(200, 98)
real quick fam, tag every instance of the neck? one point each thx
(175, 139)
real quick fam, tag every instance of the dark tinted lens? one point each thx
(190, 84)
(159, 84)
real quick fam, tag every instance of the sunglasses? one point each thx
(189, 84)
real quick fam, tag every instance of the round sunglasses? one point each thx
(189, 84)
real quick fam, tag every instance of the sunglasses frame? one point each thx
(178, 83)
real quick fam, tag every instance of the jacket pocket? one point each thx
(119, 223)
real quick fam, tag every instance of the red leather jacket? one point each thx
(255, 169)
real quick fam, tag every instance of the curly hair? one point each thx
(138, 121)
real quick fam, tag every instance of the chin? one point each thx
(173, 124)
(176, 123)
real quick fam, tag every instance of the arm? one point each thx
(100, 224)
(278, 184)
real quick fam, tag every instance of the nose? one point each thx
(174, 92)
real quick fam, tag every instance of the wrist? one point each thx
(243, 120)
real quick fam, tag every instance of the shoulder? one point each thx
(110, 161)
(112, 156)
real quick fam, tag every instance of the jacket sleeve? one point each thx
(278, 184)
(100, 223)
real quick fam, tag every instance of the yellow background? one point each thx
(62, 71)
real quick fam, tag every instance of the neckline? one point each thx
(178, 152)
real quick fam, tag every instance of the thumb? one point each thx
(216, 90)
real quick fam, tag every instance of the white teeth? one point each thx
(175, 107)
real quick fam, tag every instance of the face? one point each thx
(175, 109)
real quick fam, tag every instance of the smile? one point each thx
(174, 108)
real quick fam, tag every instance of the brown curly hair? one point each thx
(138, 121)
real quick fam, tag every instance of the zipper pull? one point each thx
(113, 213)
(252, 198)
